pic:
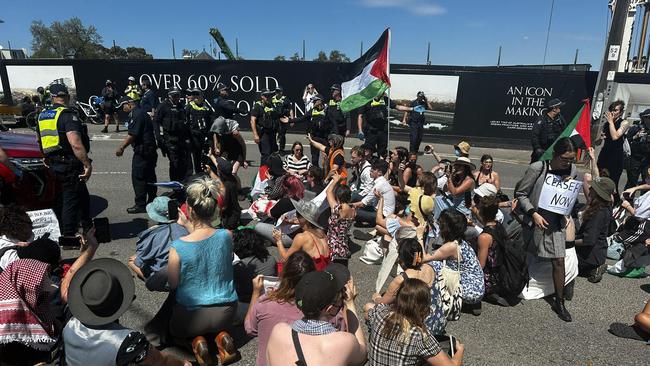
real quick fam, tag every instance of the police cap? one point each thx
(125, 99)
(109, 82)
(222, 86)
(317, 97)
(335, 87)
(554, 103)
(131, 78)
(174, 91)
(279, 89)
(59, 90)
(267, 92)
(196, 92)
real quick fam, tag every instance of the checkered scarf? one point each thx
(23, 318)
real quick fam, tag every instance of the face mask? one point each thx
(457, 152)
(407, 211)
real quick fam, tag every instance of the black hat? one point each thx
(554, 103)
(222, 86)
(267, 92)
(173, 91)
(315, 291)
(335, 87)
(100, 292)
(59, 90)
(279, 88)
(196, 92)
(645, 113)
(275, 164)
(109, 82)
(224, 166)
(125, 99)
(317, 97)
(341, 274)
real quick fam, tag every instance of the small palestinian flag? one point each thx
(578, 130)
(370, 76)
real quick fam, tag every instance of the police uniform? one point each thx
(199, 121)
(416, 122)
(133, 91)
(172, 137)
(284, 106)
(639, 159)
(319, 126)
(143, 166)
(226, 108)
(375, 127)
(545, 131)
(73, 201)
(340, 121)
(268, 122)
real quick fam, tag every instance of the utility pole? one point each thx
(548, 31)
(237, 48)
(429, 53)
(114, 50)
(499, 57)
(303, 50)
(575, 58)
(361, 51)
(605, 86)
(173, 50)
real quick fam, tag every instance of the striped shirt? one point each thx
(294, 166)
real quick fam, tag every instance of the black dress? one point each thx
(611, 157)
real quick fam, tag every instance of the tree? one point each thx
(71, 39)
(338, 56)
(322, 57)
(295, 57)
(279, 58)
(189, 53)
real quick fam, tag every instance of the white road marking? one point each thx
(109, 173)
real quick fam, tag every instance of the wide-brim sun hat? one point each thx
(464, 161)
(307, 210)
(604, 188)
(100, 292)
(158, 210)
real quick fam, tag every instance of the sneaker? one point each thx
(597, 274)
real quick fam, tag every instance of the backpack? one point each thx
(513, 271)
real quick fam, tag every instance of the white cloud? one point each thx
(416, 7)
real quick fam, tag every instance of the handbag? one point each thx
(448, 283)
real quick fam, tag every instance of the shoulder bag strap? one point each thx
(296, 344)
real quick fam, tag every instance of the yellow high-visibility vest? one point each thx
(48, 133)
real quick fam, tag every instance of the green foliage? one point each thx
(279, 58)
(295, 57)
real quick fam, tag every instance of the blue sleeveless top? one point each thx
(206, 276)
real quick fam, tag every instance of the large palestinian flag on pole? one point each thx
(578, 130)
(370, 76)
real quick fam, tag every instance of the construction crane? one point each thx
(214, 32)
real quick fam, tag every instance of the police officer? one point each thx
(143, 165)
(223, 107)
(320, 127)
(375, 114)
(172, 135)
(265, 122)
(65, 143)
(281, 102)
(547, 128)
(416, 120)
(149, 102)
(341, 121)
(639, 160)
(199, 116)
(133, 90)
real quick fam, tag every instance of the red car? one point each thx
(29, 182)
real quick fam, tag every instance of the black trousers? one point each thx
(315, 153)
(377, 138)
(180, 161)
(73, 202)
(143, 175)
(198, 141)
(282, 136)
(268, 144)
(415, 136)
(634, 168)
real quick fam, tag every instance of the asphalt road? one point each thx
(527, 334)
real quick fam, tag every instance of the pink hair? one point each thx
(294, 187)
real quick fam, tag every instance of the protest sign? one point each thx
(45, 221)
(559, 195)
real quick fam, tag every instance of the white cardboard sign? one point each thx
(559, 195)
(45, 221)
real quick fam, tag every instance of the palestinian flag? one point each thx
(369, 77)
(578, 130)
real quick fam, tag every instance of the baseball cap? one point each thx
(341, 274)
(315, 291)
(59, 90)
(486, 190)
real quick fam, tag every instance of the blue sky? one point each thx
(460, 32)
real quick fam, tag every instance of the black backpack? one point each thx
(513, 269)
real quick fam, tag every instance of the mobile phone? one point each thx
(172, 210)
(102, 229)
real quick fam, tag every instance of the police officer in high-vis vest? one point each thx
(265, 122)
(281, 102)
(133, 90)
(340, 120)
(318, 125)
(172, 135)
(143, 166)
(199, 116)
(375, 129)
(65, 143)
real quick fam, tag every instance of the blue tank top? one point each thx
(206, 276)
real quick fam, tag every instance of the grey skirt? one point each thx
(546, 243)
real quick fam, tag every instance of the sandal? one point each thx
(201, 351)
(228, 353)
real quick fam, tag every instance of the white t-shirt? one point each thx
(10, 255)
(383, 187)
(642, 206)
(365, 180)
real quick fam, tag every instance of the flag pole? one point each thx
(389, 88)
